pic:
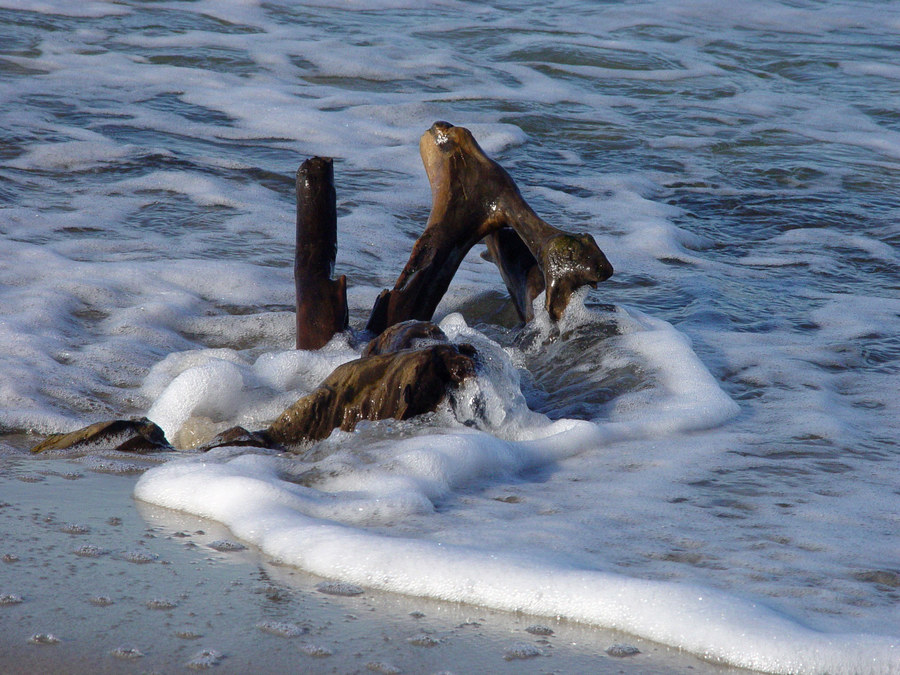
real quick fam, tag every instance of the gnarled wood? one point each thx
(473, 197)
(394, 378)
(397, 385)
(321, 301)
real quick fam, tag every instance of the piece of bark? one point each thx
(473, 197)
(398, 385)
(321, 301)
(139, 436)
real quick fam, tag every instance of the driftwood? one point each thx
(409, 367)
(394, 378)
(405, 335)
(397, 385)
(138, 436)
(321, 301)
(473, 197)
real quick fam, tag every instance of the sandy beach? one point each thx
(95, 582)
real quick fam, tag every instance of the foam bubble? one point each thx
(424, 640)
(521, 650)
(139, 557)
(213, 388)
(44, 639)
(315, 650)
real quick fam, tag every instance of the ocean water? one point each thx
(704, 451)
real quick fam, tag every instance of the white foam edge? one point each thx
(246, 494)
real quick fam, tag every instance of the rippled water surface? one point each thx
(737, 163)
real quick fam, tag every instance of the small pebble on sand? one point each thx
(620, 650)
(281, 628)
(315, 650)
(521, 650)
(339, 588)
(539, 630)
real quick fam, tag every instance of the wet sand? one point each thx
(92, 581)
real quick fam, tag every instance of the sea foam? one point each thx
(247, 494)
(325, 527)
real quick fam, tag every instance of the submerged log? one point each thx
(395, 378)
(397, 385)
(321, 301)
(140, 436)
(473, 197)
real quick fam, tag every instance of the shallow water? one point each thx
(721, 414)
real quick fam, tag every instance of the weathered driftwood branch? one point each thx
(473, 197)
(321, 301)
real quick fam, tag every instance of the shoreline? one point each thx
(111, 578)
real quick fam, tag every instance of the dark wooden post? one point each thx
(321, 301)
